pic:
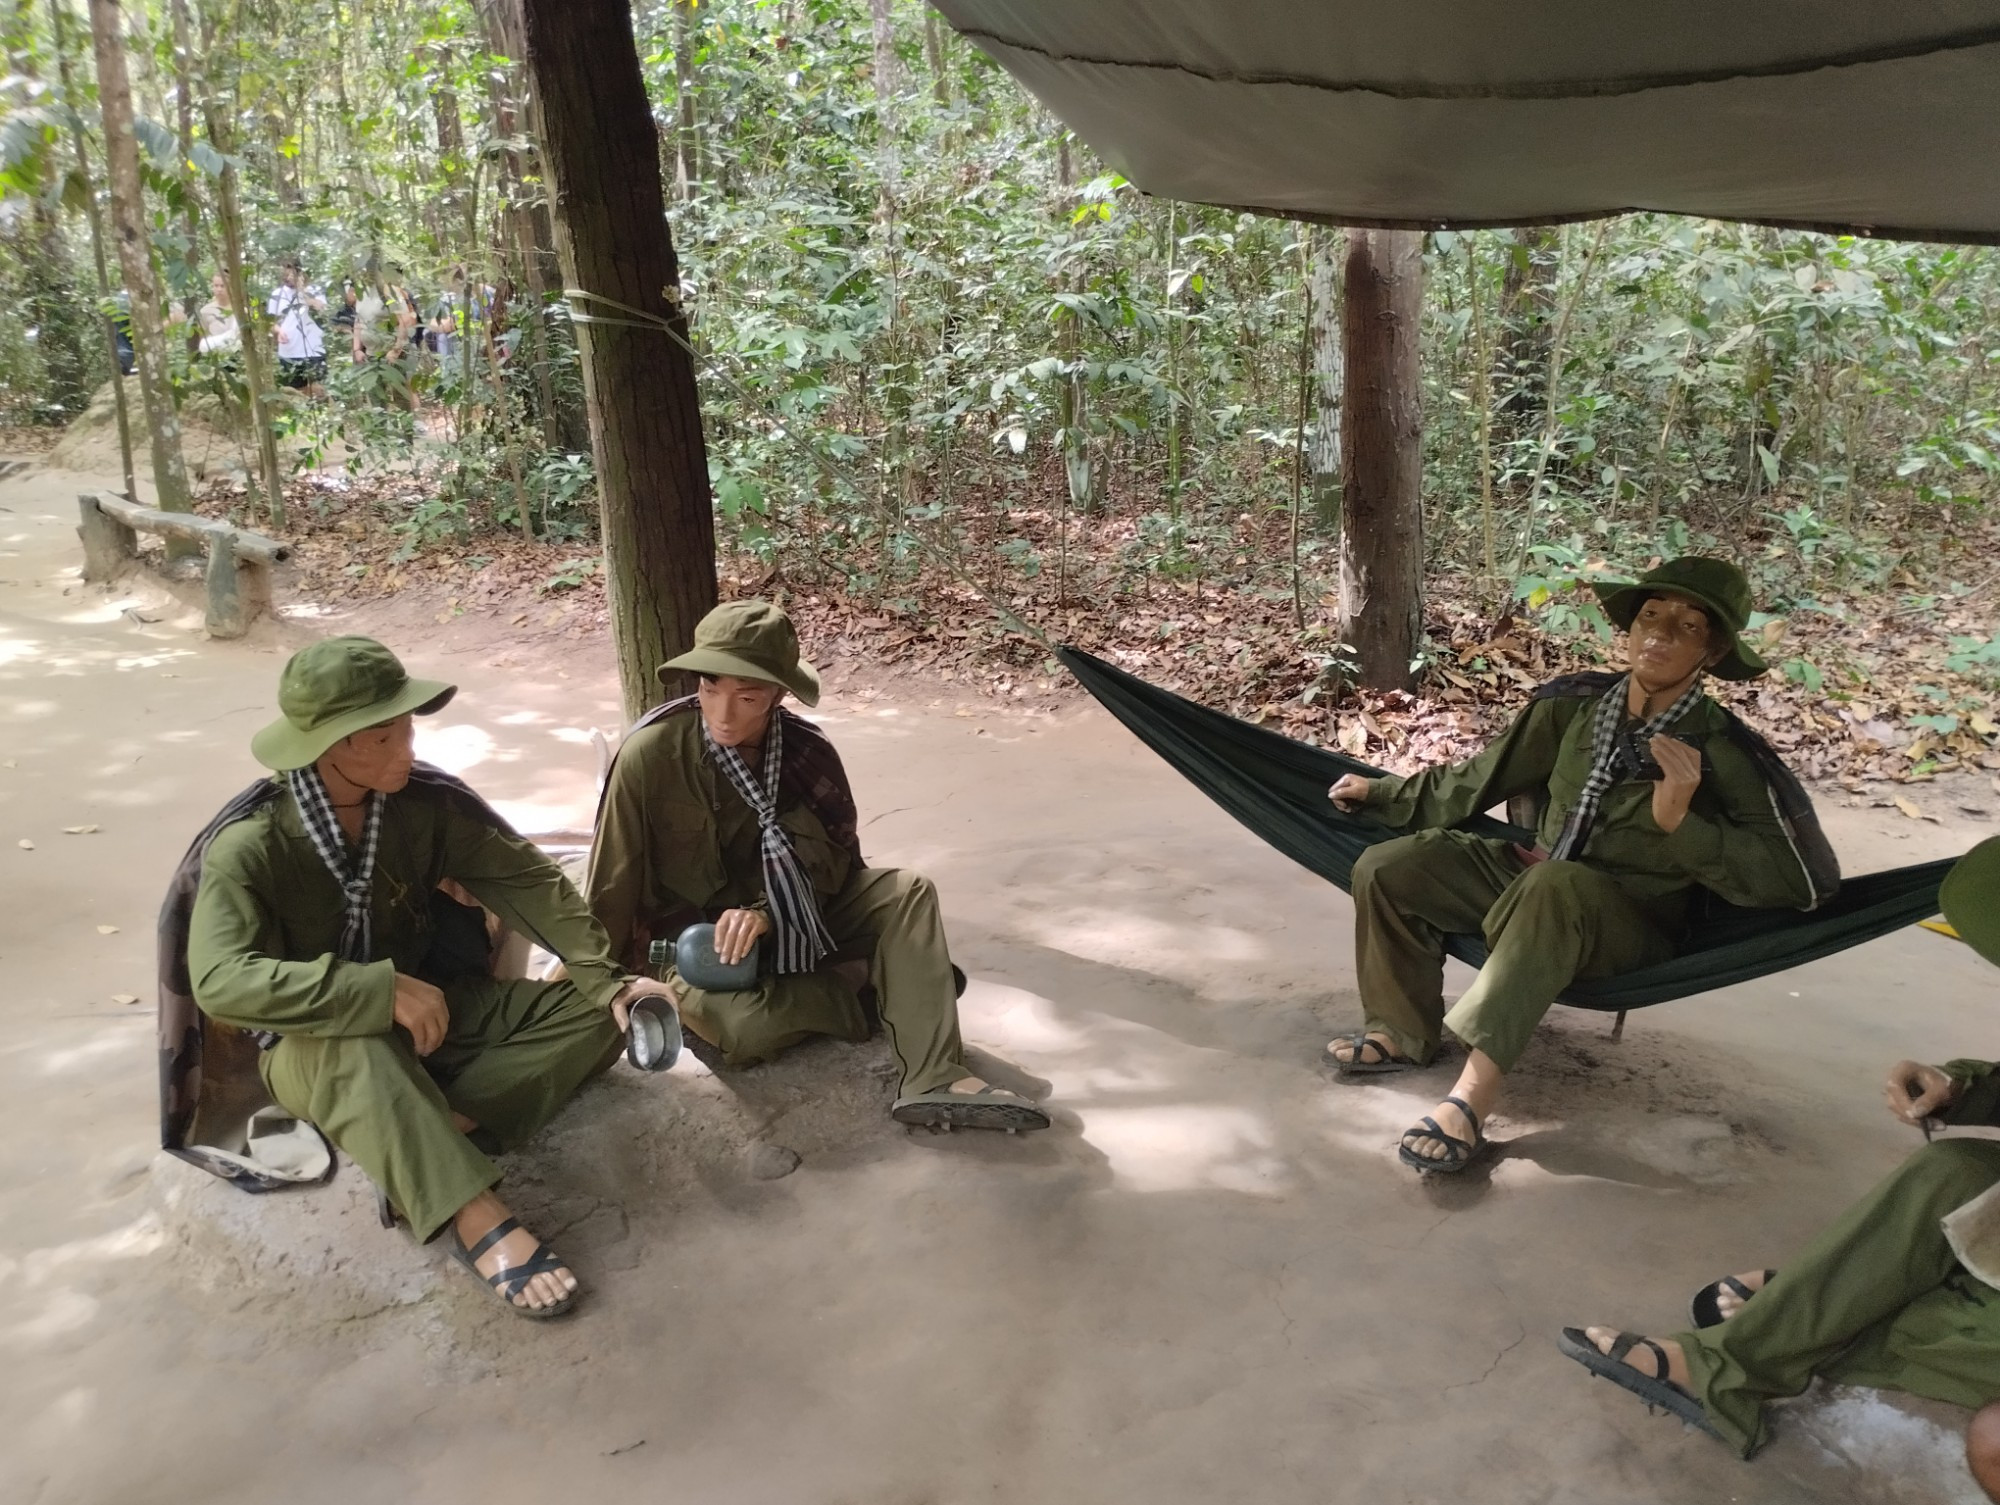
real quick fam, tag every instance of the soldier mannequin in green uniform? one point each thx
(395, 1070)
(1620, 851)
(1882, 1297)
(700, 822)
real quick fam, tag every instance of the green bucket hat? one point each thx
(1715, 583)
(1970, 898)
(335, 688)
(750, 640)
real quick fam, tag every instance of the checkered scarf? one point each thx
(356, 879)
(1609, 760)
(802, 937)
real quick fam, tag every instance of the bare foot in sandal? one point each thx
(553, 1286)
(1720, 1300)
(1728, 1303)
(1645, 1355)
(1373, 1051)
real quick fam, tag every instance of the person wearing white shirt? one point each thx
(301, 345)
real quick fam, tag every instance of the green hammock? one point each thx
(1277, 787)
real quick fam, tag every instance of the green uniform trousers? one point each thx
(894, 915)
(1546, 925)
(512, 1056)
(1877, 1299)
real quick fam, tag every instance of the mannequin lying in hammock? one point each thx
(1647, 801)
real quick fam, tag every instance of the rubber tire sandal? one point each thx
(1353, 1065)
(508, 1283)
(1458, 1153)
(1706, 1308)
(990, 1107)
(1656, 1390)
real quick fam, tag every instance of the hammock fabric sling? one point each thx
(1277, 787)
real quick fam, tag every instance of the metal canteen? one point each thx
(653, 1037)
(699, 967)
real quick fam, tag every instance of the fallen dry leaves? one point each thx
(1859, 690)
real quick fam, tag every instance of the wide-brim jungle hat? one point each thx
(334, 689)
(1970, 898)
(749, 640)
(1718, 585)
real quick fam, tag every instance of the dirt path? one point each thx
(1210, 1282)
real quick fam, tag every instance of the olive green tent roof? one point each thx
(1871, 116)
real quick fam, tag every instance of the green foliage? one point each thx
(942, 331)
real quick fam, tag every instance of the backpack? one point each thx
(1789, 800)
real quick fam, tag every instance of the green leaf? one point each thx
(158, 143)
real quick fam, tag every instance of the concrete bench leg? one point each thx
(238, 589)
(109, 546)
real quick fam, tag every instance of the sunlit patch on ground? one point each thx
(1189, 1147)
(457, 749)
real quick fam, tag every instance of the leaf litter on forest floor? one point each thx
(1879, 705)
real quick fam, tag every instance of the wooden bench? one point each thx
(239, 561)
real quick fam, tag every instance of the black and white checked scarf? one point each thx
(1608, 761)
(802, 937)
(357, 880)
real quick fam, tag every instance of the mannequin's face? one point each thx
(738, 710)
(377, 757)
(1670, 638)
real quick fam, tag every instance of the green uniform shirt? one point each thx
(675, 842)
(267, 920)
(1730, 842)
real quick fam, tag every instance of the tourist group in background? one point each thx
(380, 320)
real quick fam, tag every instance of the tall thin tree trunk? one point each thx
(601, 151)
(888, 74)
(58, 32)
(220, 119)
(934, 54)
(1329, 249)
(452, 164)
(515, 115)
(687, 135)
(184, 134)
(135, 257)
(1381, 546)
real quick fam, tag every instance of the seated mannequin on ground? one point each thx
(1647, 800)
(1897, 1294)
(725, 807)
(314, 918)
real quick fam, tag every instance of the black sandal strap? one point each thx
(1466, 1108)
(1430, 1130)
(493, 1236)
(509, 1282)
(1628, 1341)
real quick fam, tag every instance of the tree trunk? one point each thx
(563, 426)
(888, 73)
(1382, 545)
(601, 152)
(451, 159)
(1328, 252)
(220, 119)
(60, 41)
(184, 134)
(135, 257)
(687, 136)
(1527, 309)
(934, 54)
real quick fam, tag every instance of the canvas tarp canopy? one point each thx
(1845, 115)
